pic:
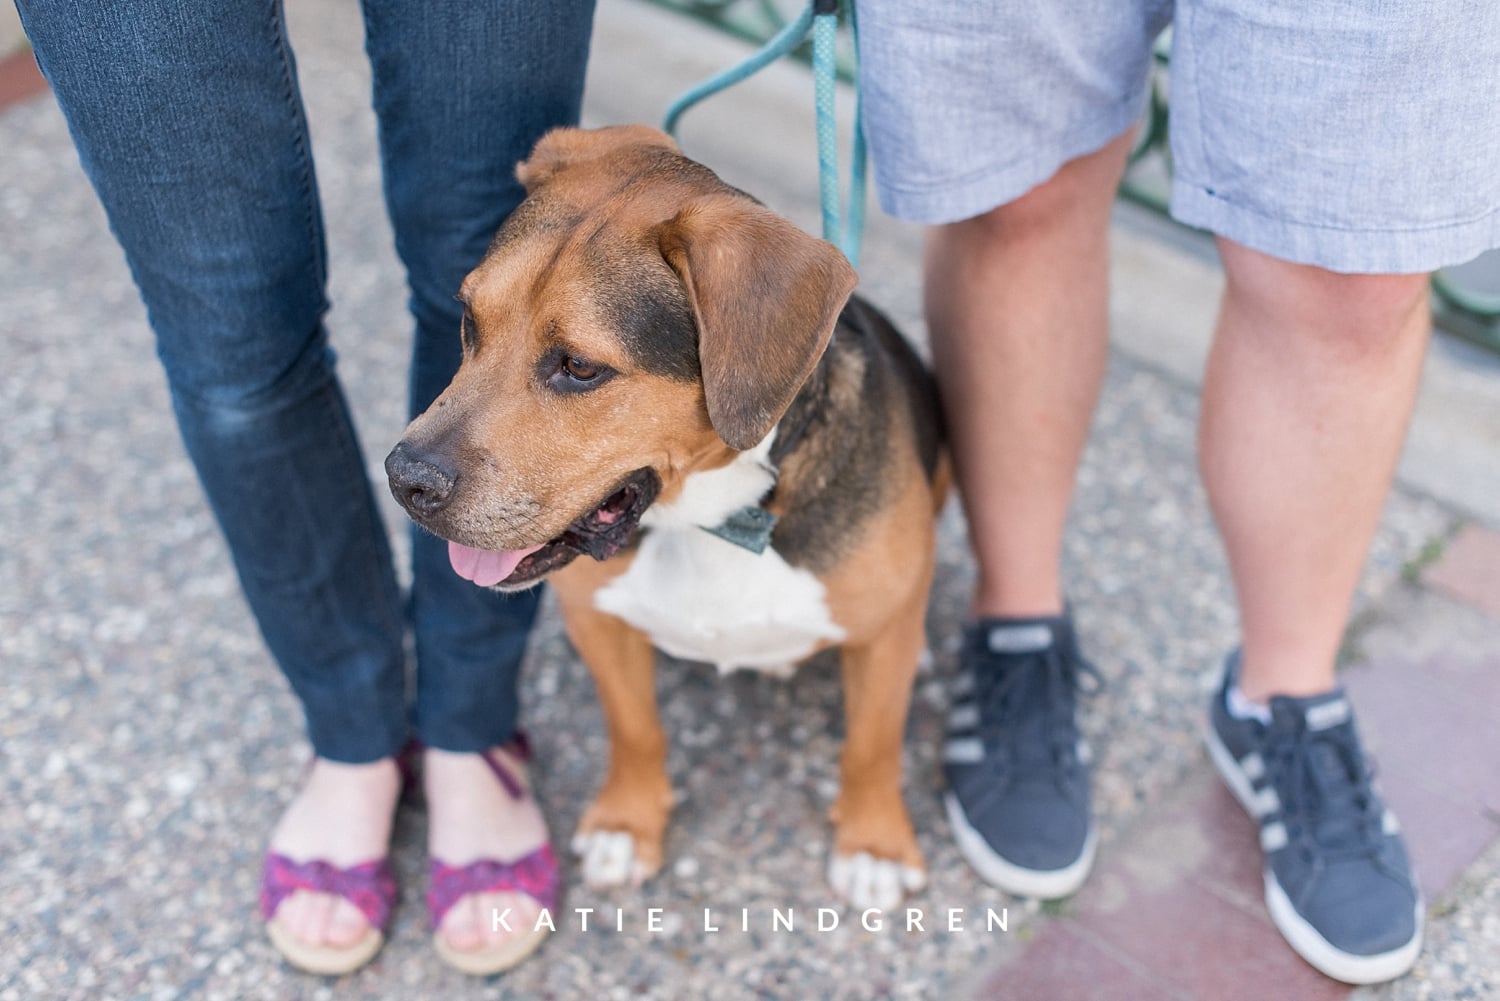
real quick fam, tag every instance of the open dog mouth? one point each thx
(601, 533)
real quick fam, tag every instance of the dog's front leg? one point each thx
(876, 860)
(619, 838)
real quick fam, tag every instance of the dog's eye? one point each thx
(581, 371)
(565, 373)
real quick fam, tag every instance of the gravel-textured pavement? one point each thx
(147, 743)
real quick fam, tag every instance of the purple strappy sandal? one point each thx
(534, 874)
(369, 886)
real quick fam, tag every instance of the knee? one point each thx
(222, 390)
(1352, 314)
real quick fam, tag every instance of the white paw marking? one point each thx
(608, 859)
(865, 881)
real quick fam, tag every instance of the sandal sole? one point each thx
(486, 962)
(322, 959)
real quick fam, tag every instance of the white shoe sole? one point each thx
(1042, 884)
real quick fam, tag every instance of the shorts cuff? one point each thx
(1349, 251)
(964, 198)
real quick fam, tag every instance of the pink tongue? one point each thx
(485, 567)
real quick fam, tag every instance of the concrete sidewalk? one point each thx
(130, 855)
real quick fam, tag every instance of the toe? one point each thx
(523, 912)
(312, 923)
(346, 925)
(884, 885)
(865, 881)
(608, 857)
(290, 914)
(461, 925)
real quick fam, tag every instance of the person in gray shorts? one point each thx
(1340, 153)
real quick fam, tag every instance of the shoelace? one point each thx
(1027, 706)
(1326, 791)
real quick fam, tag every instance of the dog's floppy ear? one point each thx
(765, 296)
(562, 147)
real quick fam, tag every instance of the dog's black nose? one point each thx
(422, 483)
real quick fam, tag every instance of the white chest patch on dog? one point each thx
(700, 597)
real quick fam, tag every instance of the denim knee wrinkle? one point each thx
(190, 125)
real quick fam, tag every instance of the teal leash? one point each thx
(783, 42)
(821, 19)
(846, 237)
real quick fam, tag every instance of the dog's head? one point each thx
(635, 320)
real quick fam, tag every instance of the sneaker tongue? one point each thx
(1327, 715)
(1341, 802)
(1021, 637)
(1315, 713)
(1333, 772)
(485, 567)
(1021, 695)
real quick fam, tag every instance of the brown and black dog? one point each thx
(664, 375)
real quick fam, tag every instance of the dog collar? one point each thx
(749, 528)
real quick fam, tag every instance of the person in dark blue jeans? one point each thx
(190, 125)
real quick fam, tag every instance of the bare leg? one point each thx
(1309, 389)
(1017, 304)
(343, 816)
(472, 817)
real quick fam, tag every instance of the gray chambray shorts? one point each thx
(1357, 135)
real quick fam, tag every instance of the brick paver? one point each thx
(1178, 904)
(1469, 569)
(1063, 962)
(19, 78)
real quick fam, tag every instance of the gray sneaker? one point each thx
(1338, 882)
(1017, 767)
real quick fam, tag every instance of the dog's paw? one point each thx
(608, 858)
(864, 881)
